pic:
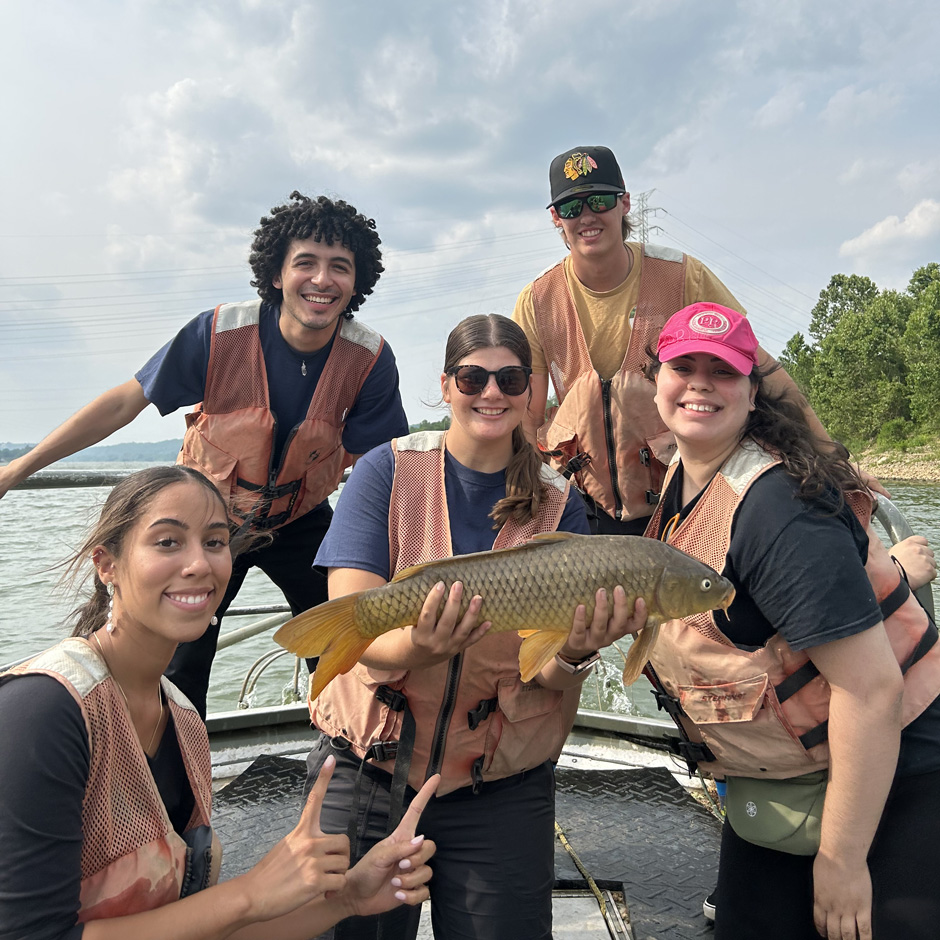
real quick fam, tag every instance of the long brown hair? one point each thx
(123, 508)
(524, 486)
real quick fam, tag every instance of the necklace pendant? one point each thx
(303, 368)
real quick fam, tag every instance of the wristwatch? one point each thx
(577, 668)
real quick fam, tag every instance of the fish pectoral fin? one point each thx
(639, 652)
(538, 648)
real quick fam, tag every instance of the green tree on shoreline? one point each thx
(871, 369)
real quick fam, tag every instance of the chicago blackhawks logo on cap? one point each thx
(710, 321)
(579, 164)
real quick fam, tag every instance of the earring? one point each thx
(109, 625)
(214, 620)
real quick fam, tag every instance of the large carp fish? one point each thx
(533, 588)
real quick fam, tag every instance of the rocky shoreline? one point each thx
(913, 466)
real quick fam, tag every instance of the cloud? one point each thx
(781, 109)
(849, 105)
(921, 223)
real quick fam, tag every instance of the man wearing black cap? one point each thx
(590, 320)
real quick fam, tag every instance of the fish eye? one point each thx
(706, 585)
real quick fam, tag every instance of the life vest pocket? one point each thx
(526, 730)
(746, 729)
(201, 454)
(732, 701)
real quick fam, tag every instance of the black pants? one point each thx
(288, 562)
(603, 524)
(766, 895)
(494, 865)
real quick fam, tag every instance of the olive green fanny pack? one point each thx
(778, 814)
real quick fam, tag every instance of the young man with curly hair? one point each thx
(288, 390)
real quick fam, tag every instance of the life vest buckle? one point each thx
(483, 711)
(382, 751)
(394, 699)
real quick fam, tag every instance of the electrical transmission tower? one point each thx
(640, 215)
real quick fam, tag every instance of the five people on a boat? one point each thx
(105, 813)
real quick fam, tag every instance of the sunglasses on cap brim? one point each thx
(510, 380)
(597, 202)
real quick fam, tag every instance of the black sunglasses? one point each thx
(511, 380)
(597, 202)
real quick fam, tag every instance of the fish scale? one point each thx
(533, 587)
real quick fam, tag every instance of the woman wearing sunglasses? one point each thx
(442, 696)
(825, 666)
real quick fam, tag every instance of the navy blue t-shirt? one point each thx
(358, 535)
(175, 377)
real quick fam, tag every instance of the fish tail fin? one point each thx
(329, 631)
(538, 648)
(639, 653)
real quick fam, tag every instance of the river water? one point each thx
(40, 527)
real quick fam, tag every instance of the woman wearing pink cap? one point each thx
(815, 696)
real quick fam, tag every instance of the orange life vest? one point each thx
(763, 713)
(132, 859)
(610, 428)
(230, 435)
(475, 719)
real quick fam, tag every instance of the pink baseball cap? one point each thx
(709, 328)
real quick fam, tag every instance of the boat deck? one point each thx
(650, 848)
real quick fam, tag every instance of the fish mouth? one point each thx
(729, 598)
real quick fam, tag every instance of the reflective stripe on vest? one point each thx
(764, 712)
(531, 722)
(132, 860)
(230, 436)
(613, 422)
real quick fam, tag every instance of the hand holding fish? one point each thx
(438, 638)
(394, 871)
(606, 626)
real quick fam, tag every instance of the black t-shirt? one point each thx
(823, 554)
(44, 766)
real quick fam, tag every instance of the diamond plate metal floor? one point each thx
(637, 828)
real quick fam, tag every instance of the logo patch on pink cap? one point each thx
(710, 321)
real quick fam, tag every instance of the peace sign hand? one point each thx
(394, 871)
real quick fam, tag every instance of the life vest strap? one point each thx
(926, 644)
(892, 603)
(814, 736)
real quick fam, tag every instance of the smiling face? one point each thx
(488, 418)
(704, 402)
(173, 565)
(318, 281)
(594, 234)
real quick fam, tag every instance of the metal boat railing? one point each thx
(597, 690)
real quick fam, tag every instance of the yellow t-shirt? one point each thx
(606, 316)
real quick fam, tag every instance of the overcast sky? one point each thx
(143, 139)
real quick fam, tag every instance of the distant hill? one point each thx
(155, 452)
(152, 451)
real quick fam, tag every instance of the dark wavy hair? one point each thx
(778, 423)
(126, 503)
(326, 220)
(524, 486)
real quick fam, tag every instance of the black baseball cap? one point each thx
(584, 170)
